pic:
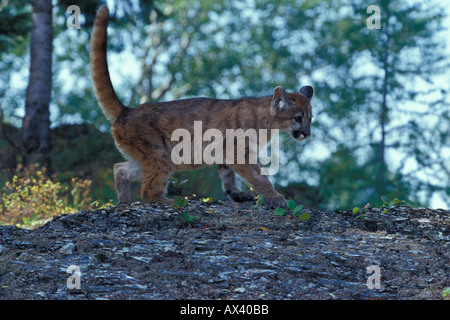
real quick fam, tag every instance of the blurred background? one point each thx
(381, 107)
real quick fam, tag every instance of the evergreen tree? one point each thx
(378, 102)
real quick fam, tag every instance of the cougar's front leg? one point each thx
(252, 173)
(229, 185)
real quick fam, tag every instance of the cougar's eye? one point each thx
(298, 119)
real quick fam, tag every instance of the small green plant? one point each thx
(178, 185)
(187, 218)
(361, 211)
(446, 293)
(388, 203)
(279, 212)
(296, 210)
(179, 203)
(304, 216)
(101, 205)
(259, 201)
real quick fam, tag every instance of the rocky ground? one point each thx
(230, 251)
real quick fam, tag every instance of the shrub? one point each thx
(29, 199)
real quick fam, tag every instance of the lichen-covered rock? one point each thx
(232, 251)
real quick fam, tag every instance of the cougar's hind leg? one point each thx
(124, 174)
(154, 183)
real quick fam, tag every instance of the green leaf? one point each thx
(361, 216)
(297, 210)
(291, 204)
(386, 200)
(355, 210)
(304, 216)
(188, 218)
(179, 202)
(279, 212)
(173, 179)
(396, 201)
(446, 292)
(260, 200)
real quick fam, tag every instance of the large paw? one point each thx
(275, 202)
(240, 196)
(160, 200)
(167, 201)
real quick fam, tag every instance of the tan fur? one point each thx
(143, 134)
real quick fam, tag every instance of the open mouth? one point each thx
(298, 135)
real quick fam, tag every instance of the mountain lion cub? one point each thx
(143, 134)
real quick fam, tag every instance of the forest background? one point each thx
(381, 107)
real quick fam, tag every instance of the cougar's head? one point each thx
(291, 112)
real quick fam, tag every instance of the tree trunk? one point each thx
(35, 132)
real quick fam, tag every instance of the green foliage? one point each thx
(30, 199)
(388, 203)
(179, 203)
(304, 216)
(177, 184)
(297, 211)
(279, 212)
(15, 25)
(187, 218)
(355, 69)
(291, 204)
(361, 211)
(259, 201)
(446, 292)
(101, 205)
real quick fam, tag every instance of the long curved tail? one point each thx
(109, 102)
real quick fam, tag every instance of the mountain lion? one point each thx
(143, 134)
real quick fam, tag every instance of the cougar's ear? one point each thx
(308, 91)
(279, 101)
